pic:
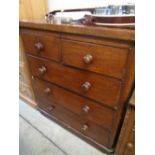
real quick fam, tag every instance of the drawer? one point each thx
(87, 109)
(101, 59)
(73, 121)
(42, 44)
(100, 88)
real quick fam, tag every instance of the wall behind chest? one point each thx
(63, 4)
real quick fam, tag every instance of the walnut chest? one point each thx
(82, 77)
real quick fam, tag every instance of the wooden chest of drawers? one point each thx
(81, 80)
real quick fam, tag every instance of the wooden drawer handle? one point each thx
(39, 46)
(84, 127)
(86, 86)
(42, 69)
(88, 58)
(50, 108)
(47, 90)
(86, 109)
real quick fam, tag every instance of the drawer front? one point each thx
(72, 120)
(100, 88)
(46, 92)
(97, 58)
(43, 44)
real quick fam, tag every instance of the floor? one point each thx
(41, 136)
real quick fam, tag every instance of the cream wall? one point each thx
(67, 4)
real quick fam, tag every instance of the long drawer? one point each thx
(87, 109)
(100, 88)
(72, 120)
(42, 44)
(97, 58)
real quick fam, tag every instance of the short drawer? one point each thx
(87, 109)
(97, 58)
(42, 44)
(86, 128)
(100, 88)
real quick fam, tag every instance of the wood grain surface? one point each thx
(87, 87)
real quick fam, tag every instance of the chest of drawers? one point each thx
(82, 77)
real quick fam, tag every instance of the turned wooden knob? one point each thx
(84, 127)
(86, 86)
(39, 46)
(47, 90)
(88, 58)
(130, 145)
(42, 69)
(50, 108)
(86, 109)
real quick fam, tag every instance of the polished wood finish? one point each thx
(126, 142)
(84, 126)
(127, 88)
(85, 88)
(96, 31)
(43, 44)
(100, 88)
(49, 93)
(97, 40)
(94, 20)
(100, 59)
